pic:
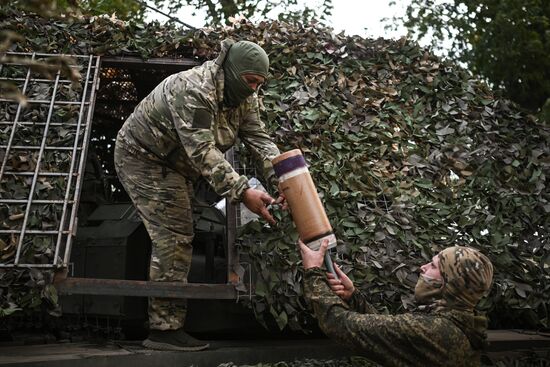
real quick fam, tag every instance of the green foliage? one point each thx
(47, 8)
(124, 9)
(101, 35)
(25, 290)
(218, 12)
(505, 41)
(221, 11)
(409, 153)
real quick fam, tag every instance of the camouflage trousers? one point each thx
(162, 198)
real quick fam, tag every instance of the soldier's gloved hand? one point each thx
(257, 201)
(343, 287)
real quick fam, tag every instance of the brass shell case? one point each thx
(301, 195)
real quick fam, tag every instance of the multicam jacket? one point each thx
(448, 338)
(183, 124)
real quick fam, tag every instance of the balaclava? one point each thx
(467, 276)
(243, 57)
(427, 289)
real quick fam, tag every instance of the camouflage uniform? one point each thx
(445, 336)
(177, 134)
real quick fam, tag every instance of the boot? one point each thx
(173, 340)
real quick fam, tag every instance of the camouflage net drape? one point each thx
(409, 152)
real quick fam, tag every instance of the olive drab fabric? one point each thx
(184, 123)
(443, 336)
(175, 136)
(243, 58)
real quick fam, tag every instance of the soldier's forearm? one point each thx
(358, 302)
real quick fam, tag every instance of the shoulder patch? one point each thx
(202, 119)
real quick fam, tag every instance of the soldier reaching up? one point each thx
(450, 333)
(177, 135)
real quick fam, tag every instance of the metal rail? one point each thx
(87, 133)
(46, 174)
(42, 54)
(231, 232)
(80, 166)
(14, 124)
(42, 101)
(36, 171)
(153, 63)
(32, 147)
(141, 288)
(74, 147)
(29, 123)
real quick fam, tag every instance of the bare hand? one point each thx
(342, 287)
(311, 258)
(257, 201)
(281, 200)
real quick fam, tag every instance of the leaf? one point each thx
(280, 318)
(379, 236)
(445, 131)
(50, 293)
(390, 229)
(9, 310)
(334, 189)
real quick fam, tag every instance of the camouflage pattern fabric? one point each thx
(184, 124)
(428, 290)
(467, 276)
(162, 199)
(431, 339)
(175, 136)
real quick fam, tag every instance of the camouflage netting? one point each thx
(410, 154)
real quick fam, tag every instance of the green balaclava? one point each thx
(243, 57)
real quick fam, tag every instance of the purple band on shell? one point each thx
(290, 164)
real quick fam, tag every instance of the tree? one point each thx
(218, 11)
(505, 41)
(124, 9)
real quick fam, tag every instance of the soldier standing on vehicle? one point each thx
(448, 333)
(177, 135)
